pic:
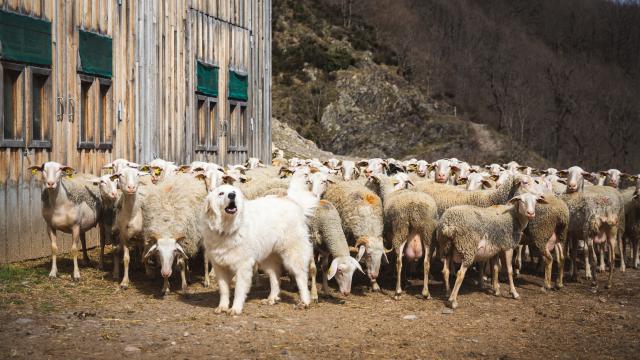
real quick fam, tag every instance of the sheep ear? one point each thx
(462, 181)
(542, 200)
(34, 169)
(330, 181)
(228, 179)
(313, 169)
(515, 199)
(114, 177)
(603, 173)
(149, 252)
(409, 182)
(356, 264)
(200, 176)
(431, 167)
(108, 166)
(487, 184)
(362, 163)
(94, 181)
(332, 269)
(563, 173)
(180, 249)
(184, 168)
(68, 170)
(562, 181)
(339, 163)
(361, 251)
(384, 257)
(144, 167)
(133, 165)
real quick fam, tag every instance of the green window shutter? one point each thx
(25, 39)
(207, 79)
(238, 86)
(96, 54)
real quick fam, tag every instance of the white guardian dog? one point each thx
(270, 231)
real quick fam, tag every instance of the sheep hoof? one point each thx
(375, 287)
(543, 289)
(426, 295)
(206, 284)
(53, 274)
(559, 286)
(515, 296)
(76, 277)
(496, 293)
(301, 306)
(220, 309)
(453, 304)
(124, 286)
(397, 296)
(270, 301)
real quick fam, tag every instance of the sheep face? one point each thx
(253, 163)
(52, 172)
(319, 183)
(128, 179)
(612, 177)
(108, 187)
(119, 164)
(422, 168)
(526, 205)
(342, 268)
(462, 170)
(333, 163)
(349, 170)
(494, 169)
(476, 181)
(373, 253)
(442, 169)
(212, 178)
(165, 251)
(575, 178)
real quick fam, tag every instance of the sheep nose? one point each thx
(531, 213)
(373, 275)
(131, 188)
(165, 274)
(51, 184)
(232, 196)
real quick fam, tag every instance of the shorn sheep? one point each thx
(109, 195)
(71, 205)
(467, 234)
(410, 220)
(361, 213)
(171, 213)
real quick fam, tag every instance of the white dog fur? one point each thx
(269, 231)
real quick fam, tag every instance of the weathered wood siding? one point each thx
(152, 102)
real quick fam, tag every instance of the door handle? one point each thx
(72, 109)
(60, 108)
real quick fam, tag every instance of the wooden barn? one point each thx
(84, 82)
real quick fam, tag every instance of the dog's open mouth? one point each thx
(231, 209)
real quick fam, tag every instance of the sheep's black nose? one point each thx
(232, 195)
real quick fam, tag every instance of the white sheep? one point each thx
(349, 170)
(109, 196)
(467, 234)
(119, 164)
(70, 205)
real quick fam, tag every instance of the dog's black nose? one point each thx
(232, 195)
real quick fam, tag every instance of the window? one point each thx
(25, 96)
(86, 138)
(104, 115)
(238, 138)
(207, 110)
(207, 124)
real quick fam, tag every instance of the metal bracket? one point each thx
(72, 109)
(60, 108)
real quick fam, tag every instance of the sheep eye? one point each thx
(220, 194)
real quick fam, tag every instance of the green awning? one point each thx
(238, 86)
(25, 39)
(207, 79)
(96, 54)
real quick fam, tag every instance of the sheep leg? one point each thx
(166, 289)
(86, 261)
(602, 248)
(325, 280)
(508, 258)
(273, 271)
(621, 243)
(207, 280)
(612, 259)
(399, 253)
(223, 275)
(313, 271)
(445, 274)
(587, 266)
(590, 251)
(636, 258)
(102, 244)
(125, 259)
(182, 265)
(548, 268)
(572, 247)
(519, 259)
(243, 285)
(453, 299)
(560, 259)
(54, 251)
(75, 234)
(116, 261)
(426, 267)
(495, 273)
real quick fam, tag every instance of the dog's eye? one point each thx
(220, 194)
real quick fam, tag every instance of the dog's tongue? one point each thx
(231, 209)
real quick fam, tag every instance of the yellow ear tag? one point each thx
(157, 171)
(34, 171)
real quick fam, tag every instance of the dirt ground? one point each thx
(57, 318)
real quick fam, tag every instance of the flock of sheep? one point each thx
(252, 217)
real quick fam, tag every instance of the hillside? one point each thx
(341, 88)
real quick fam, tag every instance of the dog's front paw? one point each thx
(234, 311)
(221, 309)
